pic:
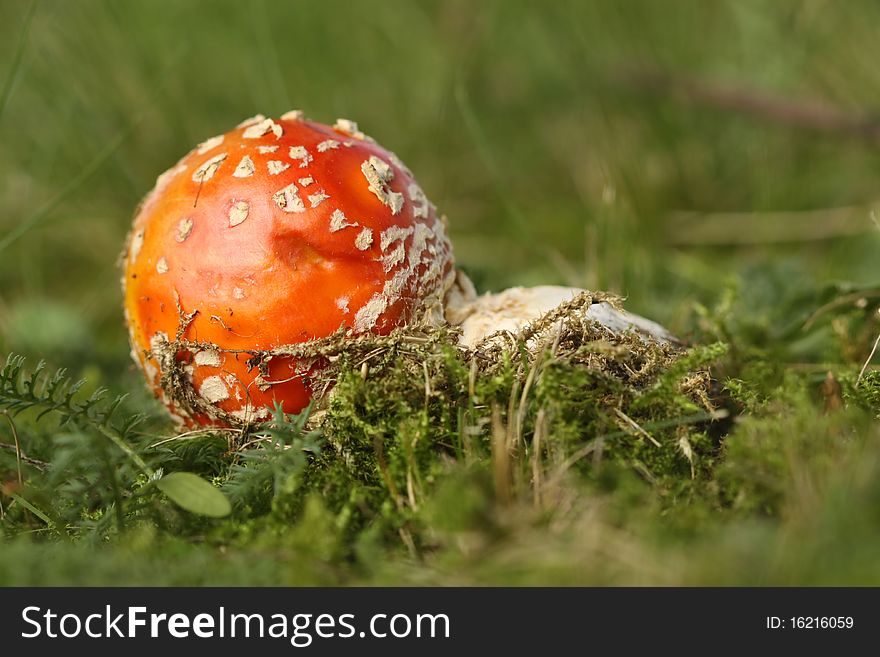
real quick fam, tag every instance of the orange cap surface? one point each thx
(276, 233)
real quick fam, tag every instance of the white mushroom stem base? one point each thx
(515, 308)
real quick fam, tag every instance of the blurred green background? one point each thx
(531, 125)
(704, 159)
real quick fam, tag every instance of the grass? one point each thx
(656, 153)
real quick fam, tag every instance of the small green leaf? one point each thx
(194, 494)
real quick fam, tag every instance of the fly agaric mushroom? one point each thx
(283, 232)
(274, 234)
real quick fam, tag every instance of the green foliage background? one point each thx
(555, 163)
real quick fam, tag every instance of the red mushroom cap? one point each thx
(276, 233)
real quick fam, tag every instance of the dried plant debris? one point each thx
(636, 400)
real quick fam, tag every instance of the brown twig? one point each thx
(852, 298)
(815, 115)
(39, 465)
(802, 113)
(755, 228)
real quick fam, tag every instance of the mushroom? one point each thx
(279, 232)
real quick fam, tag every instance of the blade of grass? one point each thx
(99, 160)
(17, 57)
(17, 446)
(87, 172)
(30, 507)
(484, 151)
(597, 442)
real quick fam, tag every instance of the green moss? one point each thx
(422, 416)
